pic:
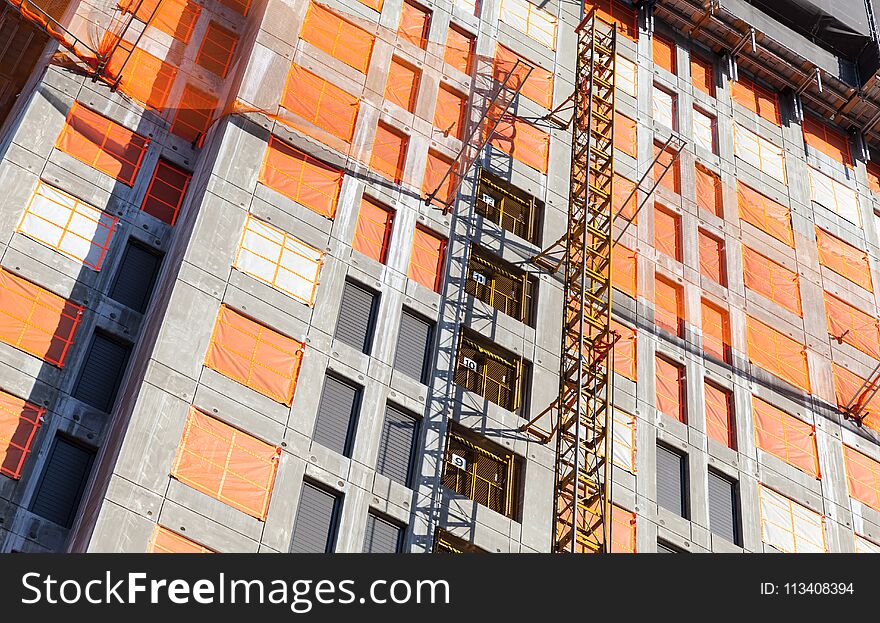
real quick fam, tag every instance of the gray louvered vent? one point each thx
(102, 372)
(722, 507)
(671, 481)
(382, 537)
(413, 345)
(396, 445)
(64, 479)
(314, 531)
(354, 326)
(136, 277)
(337, 415)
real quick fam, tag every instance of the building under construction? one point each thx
(439, 276)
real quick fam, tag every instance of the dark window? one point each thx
(136, 276)
(314, 531)
(357, 312)
(337, 415)
(413, 346)
(446, 543)
(63, 482)
(396, 445)
(672, 481)
(666, 548)
(508, 207)
(102, 371)
(382, 536)
(500, 284)
(723, 511)
(490, 371)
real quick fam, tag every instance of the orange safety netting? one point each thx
(622, 190)
(226, 463)
(242, 7)
(103, 144)
(376, 5)
(764, 213)
(667, 233)
(165, 541)
(708, 191)
(623, 531)
(626, 135)
(166, 191)
(144, 77)
(194, 114)
(617, 13)
(711, 257)
(772, 280)
(35, 320)
(663, 53)
(218, 49)
(624, 350)
(254, 355)
(402, 84)
(426, 261)
(785, 436)
(848, 387)
(19, 422)
(668, 306)
(719, 415)
(862, 477)
(373, 230)
(777, 353)
(844, 259)
(873, 171)
(702, 75)
(414, 23)
(436, 168)
(853, 326)
(672, 178)
(669, 379)
(716, 331)
(338, 37)
(624, 269)
(825, 139)
(173, 17)
(300, 177)
(318, 103)
(757, 99)
(449, 115)
(522, 141)
(389, 153)
(538, 87)
(459, 49)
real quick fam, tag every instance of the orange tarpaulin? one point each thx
(873, 170)
(772, 280)
(617, 13)
(165, 541)
(538, 87)
(711, 257)
(522, 141)
(844, 259)
(827, 140)
(254, 355)
(708, 191)
(853, 326)
(862, 477)
(144, 77)
(35, 320)
(663, 51)
(756, 98)
(459, 49)
(226, 463)
(667, 233)
(103, 144)
(764, 213)
(301, 178)
(668, 308)
(848, 387)
(785, 436)
(218, 49)
(624, 350)
(389, 153)
(672, 177)
(426, 261)
(437, 167)
(338, 37)
(239, 6)
(450, 111)
(414, 23)
(626, 135)
(319, 103)
(622, 190)
(373, 230)
(195, 115)
(716, 331)
(373, 4)
(173, 17)
(702, 75)
(777, 353)
(670, 388)
(719, 416)
(624, 269)
(19, 422)
(165, 194)
(623, 531)
(403, 84)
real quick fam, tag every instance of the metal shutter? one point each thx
(722, 507)
(64, 479)
(413, 343)
(670, 481)
(102, 372)
(355, 321)
(396, 445)
(382, 537)
(334, 425)
(663, 548)
(136, 277)
(315, 529)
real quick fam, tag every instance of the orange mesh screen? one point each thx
(389, 153)
(239, 6)
(218, 49)
(785, 436)
(373, 4)
(166, 192)
(538, 87)
(174, 17)
(764, 213)
(623, 531)
(195, 114)
(668, 305)
(426, 261)
(667, 233)
(624, 269)
(847, 387)
(338, 37)
(670, 388)
(623, 193)
(145, 78)
(617, 13)
(702, 75)
(769, 279)
(756, 98)
(708, 191)
(319, 103)
(719, 415)
(663, 51)
(435, 169)
(19, 421)
(373, 230)
(35, 320)
(414, 24)
(254, 355)
(459, 49)
(853, 326)
(862, 477)
(778, 354)
(624, 350)
(165, 541)
(226, 463)
(450, 111)
(873, 170)
(844, 259)
(522, 141)
(672, 178)
(827, 140)
(301, 178)
(625, 135)
(711, 257)
(716, 331)
(103, 144)
(402, 85)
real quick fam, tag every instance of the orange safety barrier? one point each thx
(254, 355)
(844, 259)
(771, 280)
(668, 306)
(318, 103)
(626, 135)
(459, 51)
(145, 78)
(712, 264)
(716, 331)
(853, 326)
(623, 531)
(777, 353)
(523, 142)
(785, 436)
(35, 320)
(389, 153)
(19, 422)
(426, 260)
(702, 75)
(173, 17)
(195, 115)
(622, 189)
(624, 350)
(165, 541)
(708, 191)
(848, 386)
(663, 52)
(764, 213)
(616, 13)
(166, 192)
(414, 24)
(301, 178)
(873, 172)
(667, 233)
(862, 477)
(217, 50)
(226, 463)
(341, 39)
(538, 87)
(403, 84)
(670, 388)
(825, 139)
(757, 99)
(719, 415)
(624, 269)
(449, 115)
(373, 231)
(672, 179)
(103, 144)
(435, 169)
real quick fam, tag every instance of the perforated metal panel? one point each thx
(354, 326)
(413, 345)
(723, 516)
(63, 482)
(671, 481)
(314, 531)
(337, 415)
(382, 537)
(136, 277)
(396, 445)
(102, 372)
